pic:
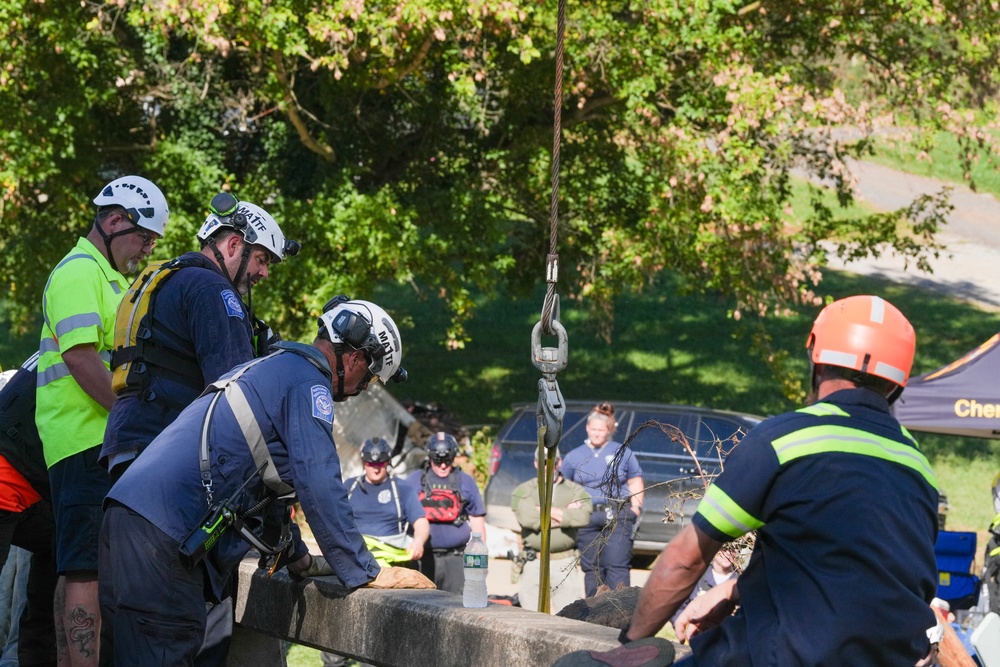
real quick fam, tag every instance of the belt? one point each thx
(457, 551)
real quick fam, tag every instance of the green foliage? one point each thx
(409, 142)
(481, 442)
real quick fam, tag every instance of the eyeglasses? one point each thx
(148, 240)
(442, 462)
(356, 330)
(377, 464)
(368, 379)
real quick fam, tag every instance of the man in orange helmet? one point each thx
(845, 508)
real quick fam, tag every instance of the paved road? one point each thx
(970, 267)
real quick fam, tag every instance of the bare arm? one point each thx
(478, 524)
(637, 491)
(89, 371)
(673, 578)
(421, 531)
(708, 610)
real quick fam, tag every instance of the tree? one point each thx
(410, 142)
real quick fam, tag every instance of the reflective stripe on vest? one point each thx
(722, 512)
(732, 520)
(828, 438)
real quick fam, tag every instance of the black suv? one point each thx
(670, 475)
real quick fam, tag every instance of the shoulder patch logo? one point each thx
(233, 304)
(322, 403)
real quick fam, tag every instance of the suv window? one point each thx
(525, 428)
(716, 432)
(652, 440)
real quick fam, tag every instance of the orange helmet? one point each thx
(866, 334)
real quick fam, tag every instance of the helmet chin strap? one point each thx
(340, 395)
(108, 238)
(244, 260)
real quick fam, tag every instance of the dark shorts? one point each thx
(79, 484)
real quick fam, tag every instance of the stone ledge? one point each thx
(401, 628)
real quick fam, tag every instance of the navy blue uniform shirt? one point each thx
(587, 467)
(292, 402)
(198, 314)
(843, 570)
(375, 507)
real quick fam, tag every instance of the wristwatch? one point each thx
(623, 635)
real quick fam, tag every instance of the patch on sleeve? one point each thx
(322, 403)
(234, 306)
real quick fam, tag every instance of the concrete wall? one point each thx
(400, 628)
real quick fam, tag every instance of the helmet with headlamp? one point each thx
(253, 223)
(363, 325)
(376, 450)
(442, 448)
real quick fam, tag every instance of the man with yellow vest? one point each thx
(74, 392)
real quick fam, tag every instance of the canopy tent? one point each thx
(962, 398)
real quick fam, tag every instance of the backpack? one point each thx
(442, 499)
(19, 440)
(133, 349)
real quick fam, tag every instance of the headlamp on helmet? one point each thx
(254, 224)
(376, 450)
(442, 448)
(362, 325)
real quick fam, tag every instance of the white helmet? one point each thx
(254, 223)
(142, 200)
(365, 326)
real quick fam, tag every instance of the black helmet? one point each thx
(442, 448)
(376, 450)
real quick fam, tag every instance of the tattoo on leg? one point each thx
(82, 631)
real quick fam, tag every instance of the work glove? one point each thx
(400, 577)
(318, 567)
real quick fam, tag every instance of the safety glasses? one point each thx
(356, 331)
(377, 464)
(369, 378)
(148, 240)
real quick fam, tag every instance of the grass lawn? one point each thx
(303, 656)
(940, 160)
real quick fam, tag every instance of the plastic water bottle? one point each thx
(477, 564)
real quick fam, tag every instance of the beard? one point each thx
(132, 265)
